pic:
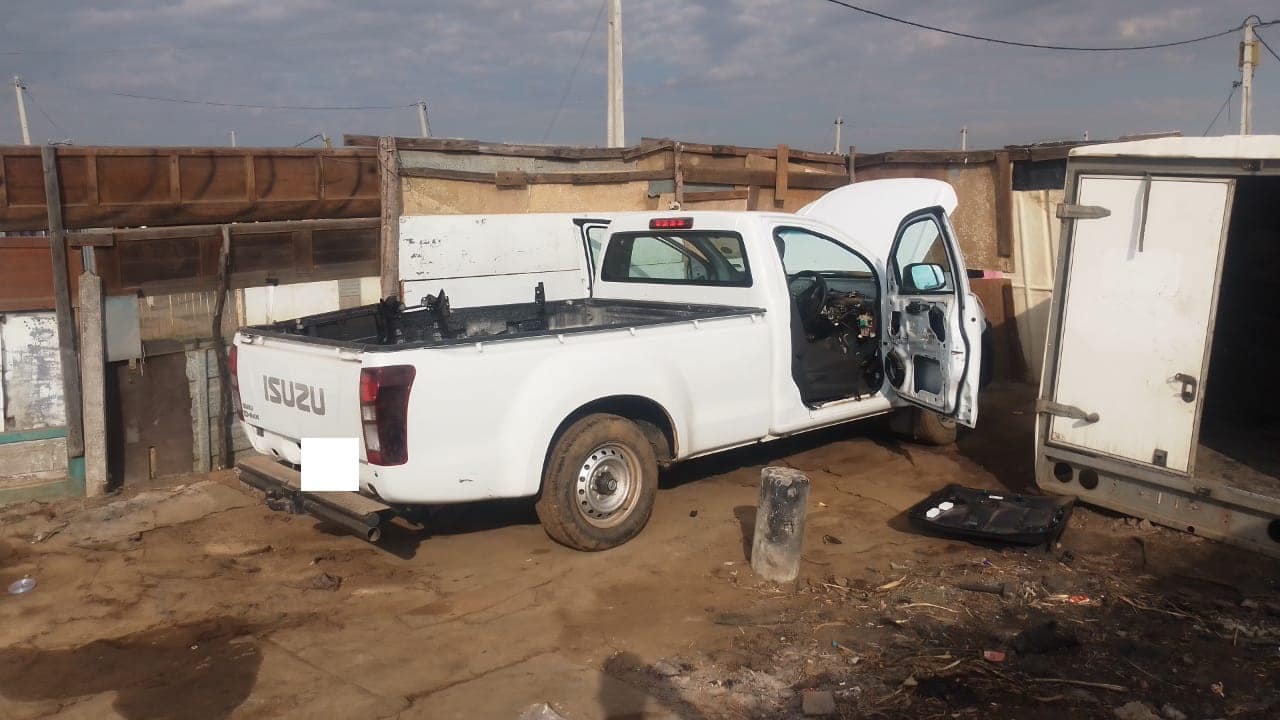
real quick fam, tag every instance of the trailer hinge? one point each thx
(1082, 212)
(1049, 407)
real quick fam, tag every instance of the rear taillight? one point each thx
(384, 413)
(233, 373)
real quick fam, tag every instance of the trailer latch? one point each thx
(1081, 212)
(1050, 407)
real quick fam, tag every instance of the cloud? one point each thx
(727, 71)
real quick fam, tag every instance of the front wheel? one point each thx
(923, 426)
(599, 484)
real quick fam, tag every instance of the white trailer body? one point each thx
(1162, 335)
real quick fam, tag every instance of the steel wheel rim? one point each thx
(608, 485)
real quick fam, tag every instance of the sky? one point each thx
(748, 72)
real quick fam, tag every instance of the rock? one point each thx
(1248, 604)
(665, 669)
(1135, 710)
(818, 702)
(910, 682)
(540, 711)
(325, 581)
(1172, 713)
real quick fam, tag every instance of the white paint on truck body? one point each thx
(483, 413)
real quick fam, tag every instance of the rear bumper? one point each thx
(282, 488)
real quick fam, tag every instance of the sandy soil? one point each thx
(196, 602)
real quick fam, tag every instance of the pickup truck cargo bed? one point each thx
(387, 327)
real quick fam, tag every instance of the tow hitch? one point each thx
(282, 488)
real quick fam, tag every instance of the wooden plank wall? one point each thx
(116, 187)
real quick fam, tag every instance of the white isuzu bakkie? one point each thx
(567, 357)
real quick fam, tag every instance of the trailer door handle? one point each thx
(1189, 386)
(1050, 407)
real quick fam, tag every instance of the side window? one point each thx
(685, 258)
(920, 261)
(802, 250)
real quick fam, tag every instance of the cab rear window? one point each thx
(683, 258)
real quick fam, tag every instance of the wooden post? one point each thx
(62, 305)
(389, 164)
(1003, 171)
(220, 350)
(780, 517)
(780, 177)
(679, 175)
(93, 375)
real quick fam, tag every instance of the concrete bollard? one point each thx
(780, 514)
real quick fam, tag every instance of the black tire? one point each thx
(574, 505)
(930, 428)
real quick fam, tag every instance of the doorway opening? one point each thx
(1240, 426)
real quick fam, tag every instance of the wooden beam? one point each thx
(545, 178)
(740, 151)
(764, 178)
(927, 157)
(107, 238)
(710, 195)
(478, 147)
(782, 163)
(1002, 180)
(389, 251)
(62, 305)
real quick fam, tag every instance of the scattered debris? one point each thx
(892, 585)
(46, 534)
(22, 586)
(1218, 690)
(1172, 713)
(540, 711)
(996, 656)
(693, 513)
(831, 540)
(1135, 710)
(818, 702)
(1001, 589)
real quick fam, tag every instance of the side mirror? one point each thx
(923, 277)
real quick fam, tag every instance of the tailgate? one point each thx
(293, 389)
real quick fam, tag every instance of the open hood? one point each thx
(871, 211)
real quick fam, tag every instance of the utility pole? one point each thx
(616, 130)
(423, 126)
(233, 138)
(839, 123)
(18, 87)
(1248, 59)
(964, 138)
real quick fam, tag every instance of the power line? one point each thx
(574, 74)
(214, 103)
(1258, 37)
(1038, 46)
(46, 116)
(1225, 104)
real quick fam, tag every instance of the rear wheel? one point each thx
(599, 484)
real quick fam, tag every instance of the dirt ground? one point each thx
(195, 601)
